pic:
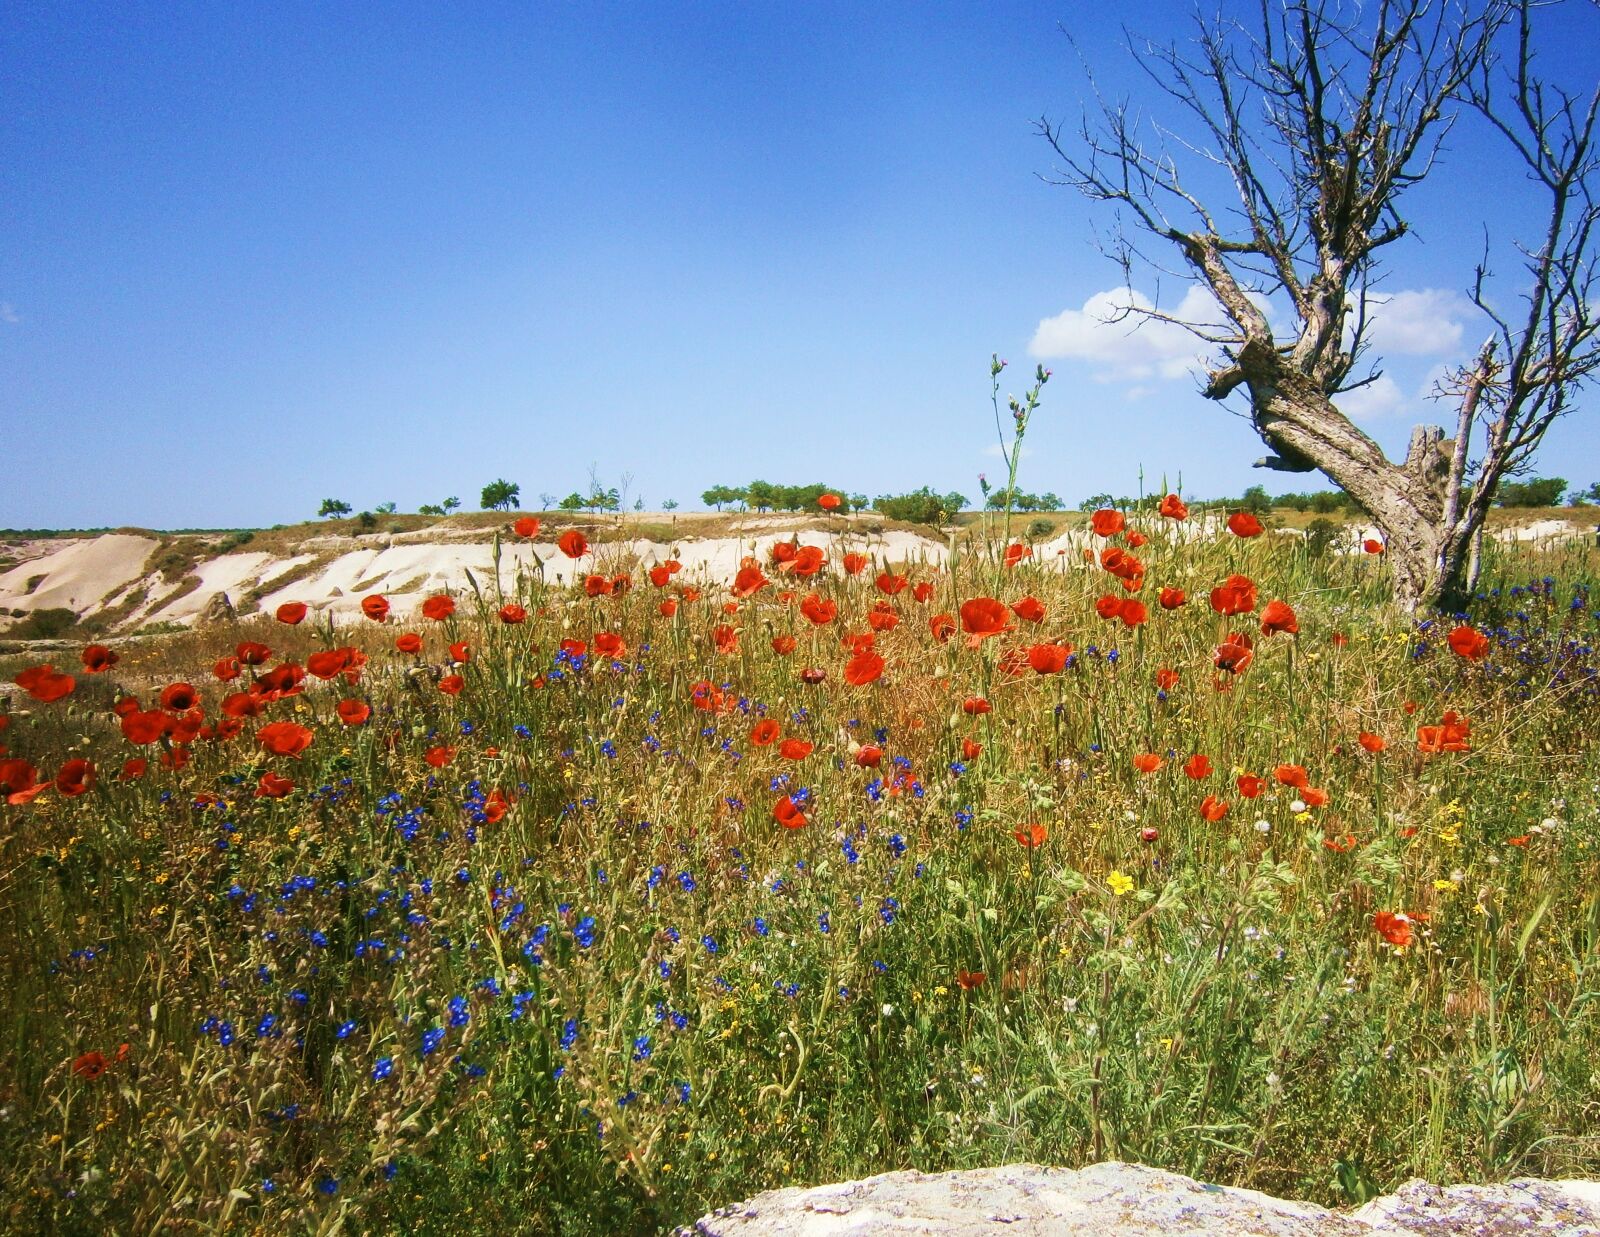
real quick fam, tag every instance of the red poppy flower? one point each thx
(1166, 679)
(19, 780)
(749, 581)
(943, 626)
(1108, 607)
(1279, 616)
(1016, 552)
(868, 756)
(707, 697)
(726, 638)
(1450, 735)
(1291, 775)
(179, 697)
(375, 607)
(226, 669)
(597, 585)
(291, 612)
(808, 560)
(892, 584)
(133, 769)
(819, 610)
(410, 642)
(45, 683)
(97, 659)
(882, 617)
(668, 608)
(765, 733)
(982, 617)
(527, 526)
(439, 607)
(460, 652)
(273, 786)
(865, 667)
(1235, 595)
(186, 728)
(855, 564)
(141, 728)
(609, 644)
(1313, 796)
(1013, 662)
(1470, 643)
(1198, 767)
(1136, 539)
(794, 749)
(90, 1066)
(439, 756)
(1395, 926)
(1132, 612)
(1048, 658)
(1171, 598)
(284, 738)
(1213, 809)
(1372, 742)
(1173, 508)
(1233, 654)
(75, 778)
(1115, 560)
(968, 980)
(495, 807)
(788, 814)
(1243, 524)
(829, 502)
(328, 663)
(573, 544)
(1147, 762)
(353, 712)
(922, 590)
(452, 684)
(1030, 836)
(1372, 546)
(783, 645)
(252, 653)
(971, 749)
(1029, 608)
(512, 613)
(1106, 522)
(783, 552)
(238, 705)
(976, 706)
(1249, 785)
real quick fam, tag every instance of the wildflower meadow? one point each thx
(588, 897)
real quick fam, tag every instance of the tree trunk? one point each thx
(1406, 501)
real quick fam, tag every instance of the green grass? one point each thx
(1213, 998)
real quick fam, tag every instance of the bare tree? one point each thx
(1306, 130)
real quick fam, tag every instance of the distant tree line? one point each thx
(924, 506)
(765, 496)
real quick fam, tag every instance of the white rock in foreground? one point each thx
(1118, 1199)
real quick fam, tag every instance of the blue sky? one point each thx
(250, 259)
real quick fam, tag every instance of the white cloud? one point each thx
(1371, 401)
(1417, 322)
(1134, 347)
(8, 313)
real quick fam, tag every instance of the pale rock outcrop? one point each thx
(1129, 1200)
